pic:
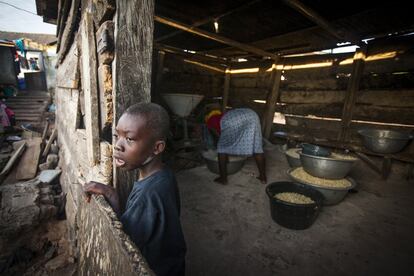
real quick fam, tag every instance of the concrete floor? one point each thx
(229, 230)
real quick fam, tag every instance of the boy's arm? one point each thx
(107, 191)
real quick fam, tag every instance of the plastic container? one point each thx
(22, 84)
(290, 215)
(315, 150)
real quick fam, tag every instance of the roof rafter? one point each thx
(209, 19)
(215, 37)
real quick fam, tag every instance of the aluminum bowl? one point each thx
(332, 195)
(326, 167)
(293, 158)
(234, 165)
(315, 150)
(384, 141)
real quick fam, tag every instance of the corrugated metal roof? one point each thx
(275, 21)
(277, 26)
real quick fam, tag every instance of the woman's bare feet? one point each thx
(221, 180)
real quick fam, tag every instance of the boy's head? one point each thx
(140, 135)
(155, 116)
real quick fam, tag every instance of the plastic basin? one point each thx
(290, 215)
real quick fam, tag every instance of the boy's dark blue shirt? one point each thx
(152, 220)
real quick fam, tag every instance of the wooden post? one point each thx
(90, 87)
(65, 35)
(226, 89)
(158, 78)
(28, 163)
(49, 142)
(369, 162)
(353, 87)
(272, 100)
(134, 29)
(45, 132)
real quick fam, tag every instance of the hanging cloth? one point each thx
(20, 44)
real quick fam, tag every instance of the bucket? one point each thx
(291, 215)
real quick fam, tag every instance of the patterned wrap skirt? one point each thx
(240, 133)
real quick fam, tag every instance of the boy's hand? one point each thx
(98, 189)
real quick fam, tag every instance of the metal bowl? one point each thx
(293, 158)
(234, 165)
(383, 140)
(315, 150)
(326, 167)
(332, 195)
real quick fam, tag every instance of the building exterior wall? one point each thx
(7, 72)
(95, 233)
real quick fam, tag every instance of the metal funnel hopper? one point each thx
(182, 104)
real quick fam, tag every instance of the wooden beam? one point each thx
(226, 89)
(103, 10)
(319, 20)
(132, 68)
(197, 56)
(369, 162)
(158, 78)
(49, 142)
(215, 37)
(28, 163)
(20, 147)
(209, 19)
(90, 87)
(105, 42)
(65, 41)
(68, 74)
(45, 130)
(351, 94)
(63, 12)
(272, 100)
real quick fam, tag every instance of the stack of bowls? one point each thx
(325, 171)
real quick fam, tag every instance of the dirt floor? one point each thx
(229, 230)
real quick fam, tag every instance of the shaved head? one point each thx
(156, 117)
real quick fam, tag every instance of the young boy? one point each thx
(151, 216)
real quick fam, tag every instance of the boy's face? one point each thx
(133, 142)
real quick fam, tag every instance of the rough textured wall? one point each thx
(182, 77)
(134, 28)
(94, 224)
(104, 247)
(95, 235)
